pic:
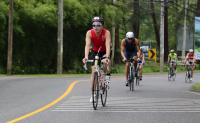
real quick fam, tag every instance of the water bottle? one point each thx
(96, 60)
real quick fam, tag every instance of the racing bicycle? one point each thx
(171, 71)
(132, 73)
(99, 84)
(189, 72)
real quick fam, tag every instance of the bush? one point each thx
(116, 70)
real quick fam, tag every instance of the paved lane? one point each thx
(155, 100)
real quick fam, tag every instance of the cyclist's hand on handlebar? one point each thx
(107, 60)
(84, 60)
(124, 60)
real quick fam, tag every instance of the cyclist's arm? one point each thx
(122, 49)
(175, 57)
(194, 59)
(87, 43)
(186, 57)
(137, 46)
(168, 58)
(142, 57)
(108, 40)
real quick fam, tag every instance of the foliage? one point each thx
(36, 25)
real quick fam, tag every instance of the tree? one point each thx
(156, 31)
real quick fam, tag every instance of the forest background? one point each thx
(35, 28)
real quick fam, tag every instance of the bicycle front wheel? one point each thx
(132, 80)
(169, 75)
(95, 91)
(186, 77)
(104, 94)
(174, 74)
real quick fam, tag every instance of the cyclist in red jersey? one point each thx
(191, 58)
(100, 39)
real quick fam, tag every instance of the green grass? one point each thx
(197, 86)
(48, 75)
(118, 69)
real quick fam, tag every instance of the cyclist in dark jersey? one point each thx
(129, 48)
(100, 39)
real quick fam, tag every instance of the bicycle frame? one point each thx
(189, 72)
(131, 73)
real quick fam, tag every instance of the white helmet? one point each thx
(129, 35)
(191, 50)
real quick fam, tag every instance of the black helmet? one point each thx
(98, 19)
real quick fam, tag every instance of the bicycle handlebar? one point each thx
(130, 60)
(102, 61)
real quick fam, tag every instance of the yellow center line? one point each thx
(49, 105)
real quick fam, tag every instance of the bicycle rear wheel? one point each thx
(95, 91)
(104, 94)
(138, 78)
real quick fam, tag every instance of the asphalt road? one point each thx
(66, 100)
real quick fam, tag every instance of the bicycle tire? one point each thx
(104, 94)
(190, 73)
(138, 77)
(174, 74)
(174, 77)
(186, 76)
(132, 79)
(95, 90)
(169, 75)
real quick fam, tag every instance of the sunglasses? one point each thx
(96, 25)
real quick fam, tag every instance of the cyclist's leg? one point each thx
(92, 75)
(187, 65)
(126, 54)
(140, 71)
(170, 68)
(192, 70)
(134, 54)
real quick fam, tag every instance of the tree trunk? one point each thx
(155, 25)
(198, 8)
(117, 46)
(166, 33)
(136, 24)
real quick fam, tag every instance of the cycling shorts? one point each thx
(140, 63)
(129, 54)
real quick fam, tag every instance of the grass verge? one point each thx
(197, 86)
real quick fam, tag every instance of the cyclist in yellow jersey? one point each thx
(172, 58)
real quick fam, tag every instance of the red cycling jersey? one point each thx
(97, 42)
(190, 56)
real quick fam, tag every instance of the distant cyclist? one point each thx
(191, 58)
(99, 37)
(130, 47)
(141, 62)
(172, 57)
